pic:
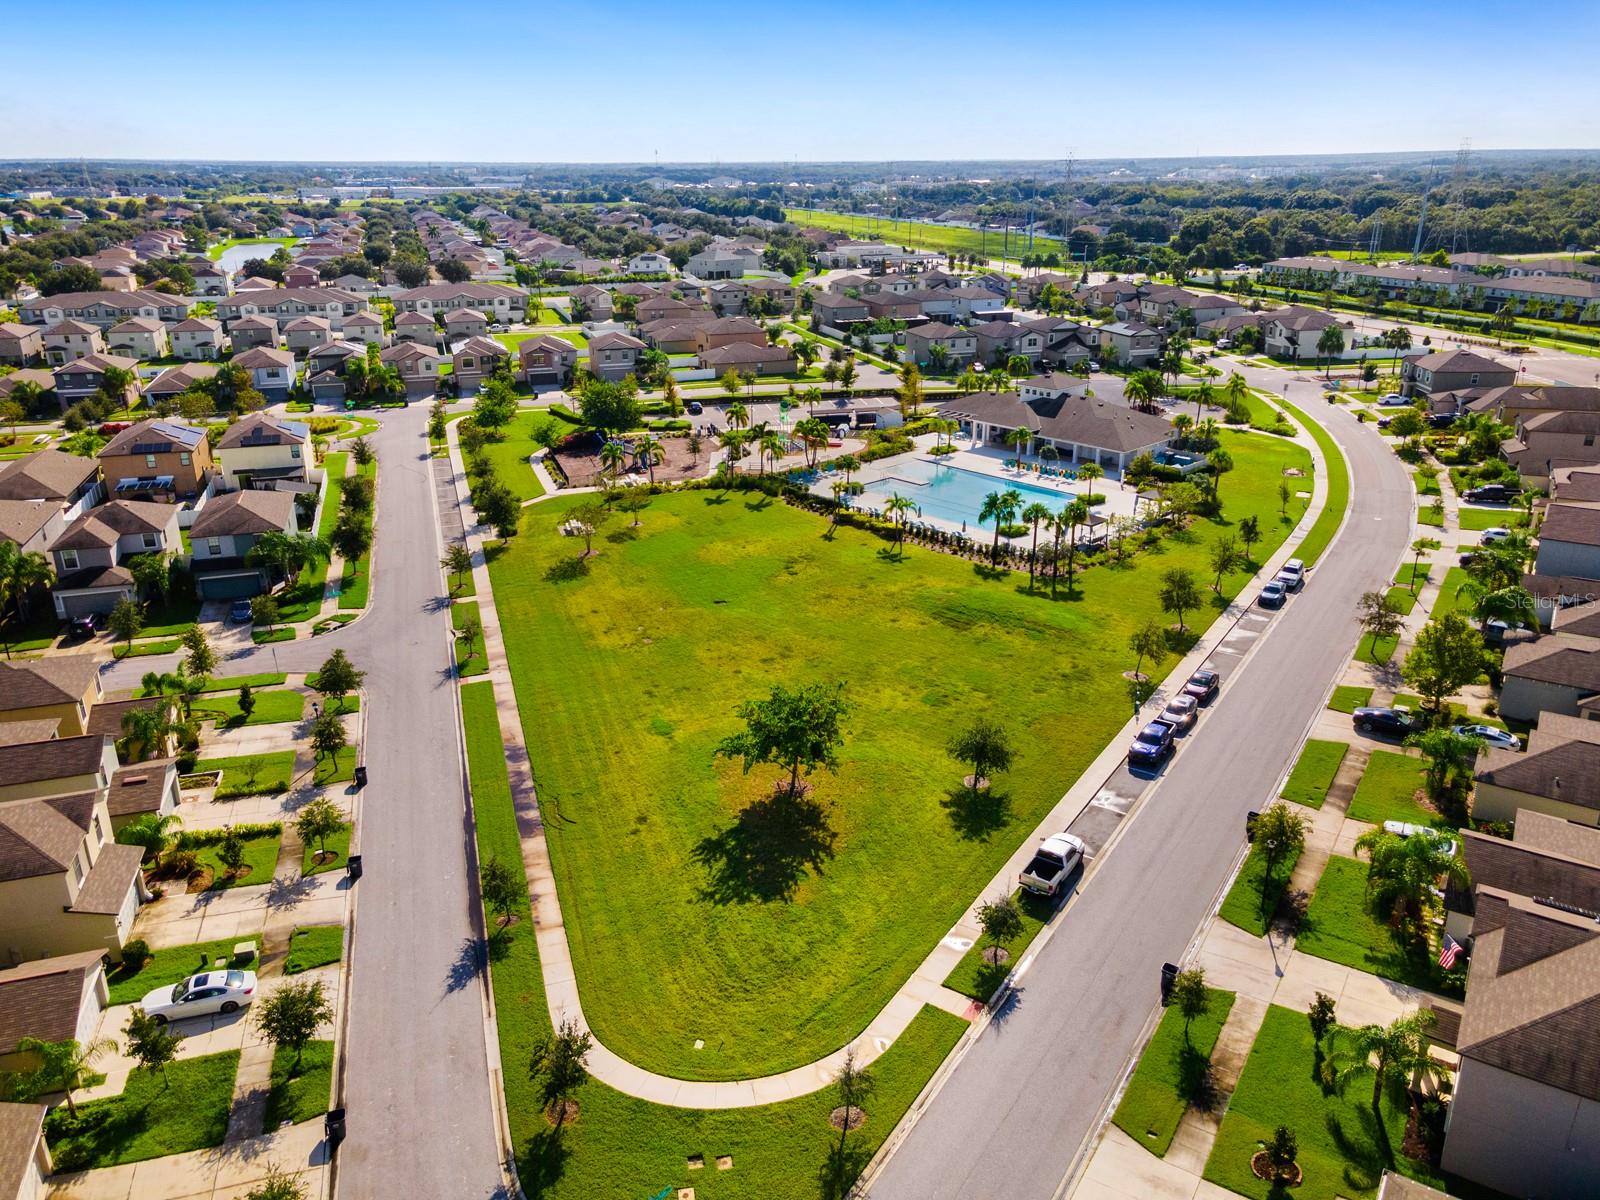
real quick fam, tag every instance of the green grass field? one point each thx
(1386, 789)
(153, 1116)
(1490, 518)
(1313, 772)
(1347, 699)
(251, 774)
(304, 600)
(261, 637)
(338, 846)
(1320, 535)
(945, 239)
(975, 976)
(1168, 1072)
(1376, 650)
(300, 1093)
(1449, 598)
(313, 946)
(260, 857)
(1341, 1148)
(627, 668)
(273, 706)
(1245, 905)
(509, 456)
(357, 577)
(477, 662)
(1341, 927)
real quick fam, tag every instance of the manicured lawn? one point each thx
(1458, 712)
(251, 774)
(1401, 599)
(144, 649)
(168, 966)
(272, 707)
(339, 769)
(1347, 699)
(721, 934)
(39, 632)
(304, 600)
(1449, 600)
(1417, 572)
(1376, 650)
(1326, 525)
(1386, 789)
(974, 976)
(1313, 772)
(299, 1094)
(1427, 485)
(153, 1117)
(1341, 1151)
(945, 239)
(232, 683)
(476, 663)
(1428, 515)
(313, 946)
(1341, 927)
(357, 577)
(1489, 518)
(1244, 904)
(260, 857)
(283, 633)
(338, 845)
(1168, 1073)
(171, 618)
(509, 456)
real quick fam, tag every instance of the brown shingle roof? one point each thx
(21, 520)
(45, 475)
(21, 1126)
(35, 839)
(258, 429)
(58, 758)
(1569, 772)
(109, 879)
(40, 729)
(140, 787)
(106, 719)
(100, 528)
(41, 999)
(46, 681)
(244, 512)
(1571, 523)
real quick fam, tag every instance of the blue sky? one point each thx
(492, 81)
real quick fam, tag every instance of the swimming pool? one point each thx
(951, 493)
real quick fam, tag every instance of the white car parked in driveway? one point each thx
(201, 995)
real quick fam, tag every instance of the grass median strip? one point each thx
(313, 946)
(1318, 537)
(1347, 699)
(1170, 1073)
(251, 774)
(975, 976)
(1387, 791)
(1313, 772)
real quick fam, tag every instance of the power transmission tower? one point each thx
(1458, 196)
(1422, 215)
(1375, 243)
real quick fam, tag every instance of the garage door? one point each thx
(229, 587)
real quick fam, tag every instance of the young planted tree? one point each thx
(231, 852)
(853, 1086)
(796, 728)
(1447, 657)
(126, 621)
(1179, 593)
(1285, 494)
(337, 677)
(151, 1043)
(502, 889)
(199, 659)
(1280, 832)
(1191, 996)
(986, 746)
(277, 1184)
(1148, 641)
(318, 821)
(560, 1063)
(1322, 1016)
(247, 702)
(1378, 618)
(590, 517)
(328, 737)
(1225, 557)
(264, 610)
(1419, 547)
(290, 1017)
(1001, 922)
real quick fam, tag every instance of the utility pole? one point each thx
(1458, 195)
(1422, 216)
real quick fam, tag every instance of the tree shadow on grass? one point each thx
(627, 533)
(837, 1177)
(766, 852)
(989, 571)
(977, 816)
(760, 505)
(1365, 1154)
(567, 570)
(542, 1163)
(1197, 1085)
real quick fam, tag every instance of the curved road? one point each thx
(420, 1111)
(1012, 1115)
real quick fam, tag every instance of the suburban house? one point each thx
(614, 355)
(1293, 332)
(837, 309)
(284, 305)
(306, 333)
(87, 375)
(173, 382)
(38, 377)
(1553, 441)
(1135, 344)
(676, 335)
(157, 460)
(417, 364)
(958, 347)
(249, 332)
(1569, 541)
(104, 308)
(20, 345)
(29, 525)
(722, 262)
(1546, 855)
(65, 886)
(659, 308)
(594, 303)
(416, 327)
(197, 339)
(999, 340)
(68, 341)
(53, 1000)
(60, 692)
(777, 293)
(464, 323)
(1452, 370)
(1526, 1099)
(724, 331)
(1555, 673)
(727, 299)
(546, 359)
(210, 279)
(474, 361)
(746, 357)
(66, 482)
(366, 328)
(223, 533)
(299, 276)
(649, 263)
(271, 371)
(140, 788)
(92, 552)
(1080, 427)
(1558, 774)
(25, 1160)
(260, 451)
(138, 337)
(504, 302)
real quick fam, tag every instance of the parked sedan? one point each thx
(201, 995)
(1497, 534)
(1180, 712)
(1203, 686)
(1392, 399)
(1272, 595)
(1496, 737)
(240, 613)
(1396, 722)
(1151, 745)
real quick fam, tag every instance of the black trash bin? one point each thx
(352, 867)
(361, 777)
(333, 1127)
(1169, 976)
(1250, 825)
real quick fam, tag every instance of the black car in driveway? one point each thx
(1394, 722)
(1151, 745)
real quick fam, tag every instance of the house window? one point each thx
(77, 869)
(69, 560)
(294, 451)
(214, 547)
(183, 457)
(151, 541)
(99, 833)
(150, 460)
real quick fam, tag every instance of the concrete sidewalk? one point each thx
(225, 1172)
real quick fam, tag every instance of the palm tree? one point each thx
(738, 415)
(1203, 395)
(20, 572)
(1035, 514)
(732, 442)
(148, 728)
(152, 832)
(938, 357)
(1089, 472)
(652, 451)
(1221, 463)
(968, 382)
(1001, 508)
(773, 446)
(1075, 513)
(1403, 871)
(1390, 1054)
(996, 381)
(812, 397)
(1144, 388)
(1236, 389)
(1017, 439)
(1330, 343)
(67, 1066)
(613, 457)
(1182, 423)
(897, 506)
(1450, 755)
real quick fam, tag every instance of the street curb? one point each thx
(346, 981)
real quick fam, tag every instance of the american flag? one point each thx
(1449, 951)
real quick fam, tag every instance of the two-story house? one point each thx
(260, 451)
(49, 1000)
(157, 460)
(957, 347)
(163, 391)
(65, 885)
(306, 333)
(284, 305)
(1451, 371)
(67, 483)
(138, 337)
(20, 345)
(614, 355)
(546, 360)
(271, 371)
(416, 327)
(1135, 344)
(366, 328)
(222, 535)
(103, 308)
(198, 339)
(417, 365)
(462, 323)
(999, 341)
(503, 303)
(83, 377)
(249, 332)
(67, 341)
(474, 361)
(92, 553)
(58, 695)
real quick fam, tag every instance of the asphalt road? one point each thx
(419, 1110)
(1013, 1114)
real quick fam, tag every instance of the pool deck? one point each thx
(990, 461)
